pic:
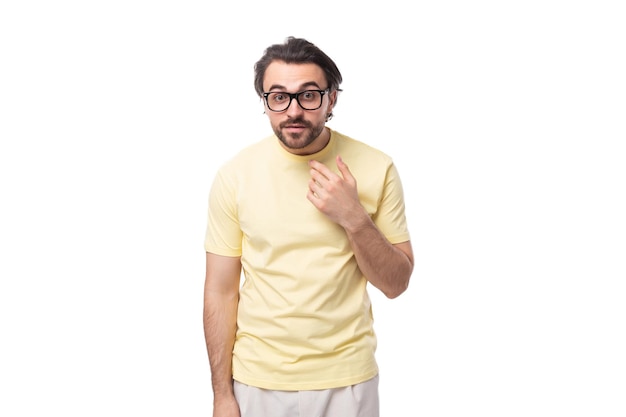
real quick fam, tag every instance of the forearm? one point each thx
(388, 267)
(385, 266)
(220, 325)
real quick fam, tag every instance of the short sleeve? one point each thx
(223, 233)
(390, 217)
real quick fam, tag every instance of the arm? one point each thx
(221, 297)
(388, 267)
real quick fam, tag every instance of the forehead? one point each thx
(292, 77)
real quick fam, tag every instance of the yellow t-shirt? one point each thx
(305, 318)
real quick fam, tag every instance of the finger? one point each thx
(321, 168)
(318, 178)
(315, 186)
(314, 190)
(343, 168)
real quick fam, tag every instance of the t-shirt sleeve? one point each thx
(390, 217)
(223, 233)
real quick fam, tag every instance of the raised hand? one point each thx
(335, 195)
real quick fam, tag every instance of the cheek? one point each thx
(274, 119)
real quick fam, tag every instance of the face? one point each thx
(300, 131)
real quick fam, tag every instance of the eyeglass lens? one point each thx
(308, 100)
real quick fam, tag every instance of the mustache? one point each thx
(297, 121)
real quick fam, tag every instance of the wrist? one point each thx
(359, 220)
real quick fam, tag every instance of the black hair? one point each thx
(296, 51)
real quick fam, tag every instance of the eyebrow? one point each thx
(302, 86)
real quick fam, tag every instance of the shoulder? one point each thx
(248, 157)
(356, 150)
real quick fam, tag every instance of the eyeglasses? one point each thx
(308, 99)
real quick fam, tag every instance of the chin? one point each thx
(295, 142)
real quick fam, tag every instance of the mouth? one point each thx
(294, 128)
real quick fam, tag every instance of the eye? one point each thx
(307, 95)
(278, 97)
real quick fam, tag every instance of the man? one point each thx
(310, 216)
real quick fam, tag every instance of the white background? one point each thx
(506, 121)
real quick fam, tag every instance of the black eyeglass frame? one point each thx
(296, 96)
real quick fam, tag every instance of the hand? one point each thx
(226, 408)
(335, 196)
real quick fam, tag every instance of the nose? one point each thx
(294, 108)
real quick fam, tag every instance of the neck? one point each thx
(321, 141)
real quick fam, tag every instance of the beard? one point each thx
(298, 140)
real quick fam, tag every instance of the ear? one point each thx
(332, 100)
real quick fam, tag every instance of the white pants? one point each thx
(360, 400)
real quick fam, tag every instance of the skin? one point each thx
(302, 132)
(221, 297)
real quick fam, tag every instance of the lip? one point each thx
(295, 127)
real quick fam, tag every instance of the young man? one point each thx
(310, 216)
